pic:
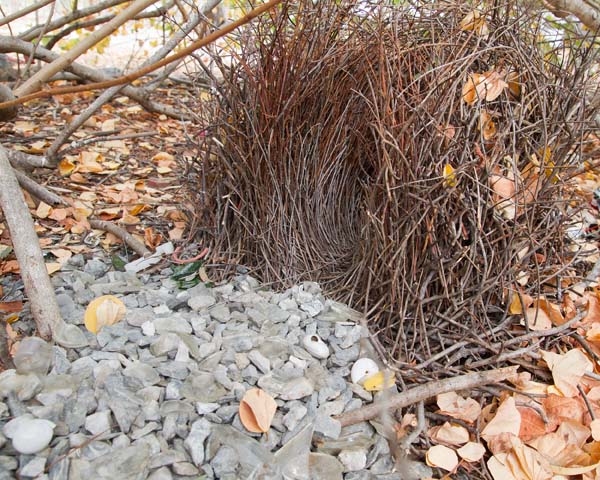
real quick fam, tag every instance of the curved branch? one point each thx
(144, 71)
(588, 12)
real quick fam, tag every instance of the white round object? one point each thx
(362, 368)
(315, 346)
(33, 436)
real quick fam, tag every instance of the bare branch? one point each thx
(24, 11)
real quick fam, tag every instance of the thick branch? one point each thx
(230, 27)
(108, 94)
(44, 307)
(10, 44)
(588, 11)
(24, 11)
(33, 32)
(424, 392)
(35, 83)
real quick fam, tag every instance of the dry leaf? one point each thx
(567, 369)
(471, 451)
(449, 434)
(449, 176)
(11, 307)
(53, 267)
(537, 319)
(89, 162)
(66, 166)
(504, 190)
(518, 301)
(442, 457)
(474, 21)
(454, 405)
(595, 427)
(559, 408)
(506, 420)
(487, 126)
(379, 381)
(532, 424)
(102, 311)
(43, 210)
(257, 409)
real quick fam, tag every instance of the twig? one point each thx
(53, 199)
(107, 138)
(428, 390)
(123, 234)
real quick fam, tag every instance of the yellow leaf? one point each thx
(449, 176)
(257, 409)
(474, 21)
(66, 166)
(102, 311)
(516, 307)
(379, 381)
(43, 210)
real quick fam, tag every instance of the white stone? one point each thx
(315, 346)
(363, 368)
(353, 460)
(98, 422)
(148, 328)
(298, 363)
(29, 435)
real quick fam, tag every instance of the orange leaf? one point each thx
(487, 125)
(257, 409)
(532, 424)
(516, 307)
(11, 307)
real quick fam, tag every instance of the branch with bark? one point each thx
(587, 11)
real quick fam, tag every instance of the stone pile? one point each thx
(157, 395)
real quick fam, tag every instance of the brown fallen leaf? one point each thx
(257, 409)
(11, 307)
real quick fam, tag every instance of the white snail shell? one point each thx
(315, 346)
(363, 368)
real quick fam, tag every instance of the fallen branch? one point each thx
(426, 391)
(137, 246)
(38, 287)
(25, 161)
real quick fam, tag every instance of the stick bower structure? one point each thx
(416, 161)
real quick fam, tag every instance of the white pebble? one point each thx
(32, 436)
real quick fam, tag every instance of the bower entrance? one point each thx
(413, 164)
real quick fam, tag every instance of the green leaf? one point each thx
(118, 263)
(182, 271)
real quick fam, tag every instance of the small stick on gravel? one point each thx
(428, 390)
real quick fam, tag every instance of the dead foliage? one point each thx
(414, 161)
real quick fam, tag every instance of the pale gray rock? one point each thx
(201, 302)
(220, 313)
(325, 467)
(225, 461)
(261, 362)
(194, 443)
(98, 422)
(297, 388)
(33, 468)
(142, 372)
(173, 323)
(34, 355)
(353, 460)
(162, 473)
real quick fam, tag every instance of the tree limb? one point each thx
(426, 391)
(24, 11)
(588, 12)
(11, 44)
(35, 82)
(75, 15)
(38, 287)
(144, 71)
